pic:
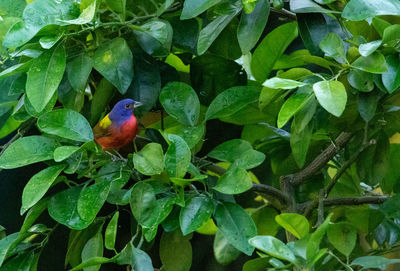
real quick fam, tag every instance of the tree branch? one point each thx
(309, 206)
(271, 191)
(320, 161)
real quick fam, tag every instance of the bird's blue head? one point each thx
(123, 110)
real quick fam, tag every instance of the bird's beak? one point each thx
(137, 104)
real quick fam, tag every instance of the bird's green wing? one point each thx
(103, 128)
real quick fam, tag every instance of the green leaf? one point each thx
(367, 105)
(86, 15)
(192, 135)
(114, 61)
(308, 6)
(78, 71)
(93, 248)
(5, 245)
(300, 141)
(291, 106)
(343, 237)
(357, 10)
(155, 37)
(294, 223)
(280, 83)
(391, 36)
(91, 199)
(224, 252)
(360, 80)
(332, 96)
(374, 262)
(180, 257)
(252, 25)
(332, 45)
(118, 6)
(143, 201)
(231, 101)
(374, 63)
(270, 50)
(149, 160)
(195, 213)
(63, 209)
(66, 123)
(49, 41)
(38, 185)
(391, 78)
(34, 149)
(137, 258)
(181, 102)
(102, 96)
(63, 152)
(235, 180)
(236, 226)
(239, 152)
(257, 264)
(366, 49)
(192, 8)
(111, 232)
(273, 247)
(316, 238)
(177, 157)
(212, 30)
(91, 262)
(37, 15)
(44, 76)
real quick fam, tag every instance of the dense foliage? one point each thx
(268, 138)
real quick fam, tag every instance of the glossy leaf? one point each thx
(361, 80)
(114, 61)
(192, 8)
(63, 209)
(181, 102)
(195, 213)
(273, 247)
(308, 6)
(270, 50)
(211, 31)
(63, 152)
(235, 180)
(38, 185)
(232, 100)
(366, 49)
(93, 248)
(357, 10)
(66, 123)
(374, 63)
(37, 15)
(280, 83)
(236, 226)
(34, 149)
(312, 248)
(143, 201)
(291, 106)
(180, 257)
(224, 252)
(239, 152)
(391, 78)
(294, 223)
(333, 46)
(91, 199)
(78, 71)
(136, 258)
(44, 76)
(155, 37)
(300, 141)
(343, 237)
(177, 157)
(111, 232)
(332, 96)
(374, 262)
(252, 25)
(149, 160)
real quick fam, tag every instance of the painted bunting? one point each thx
(119, 127)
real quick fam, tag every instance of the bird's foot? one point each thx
(117, 157)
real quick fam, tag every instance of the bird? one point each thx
(119, 127)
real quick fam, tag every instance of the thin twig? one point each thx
(320, 161)
(22, 130)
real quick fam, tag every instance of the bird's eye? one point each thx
(127, 106)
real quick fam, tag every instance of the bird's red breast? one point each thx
(112, 135)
